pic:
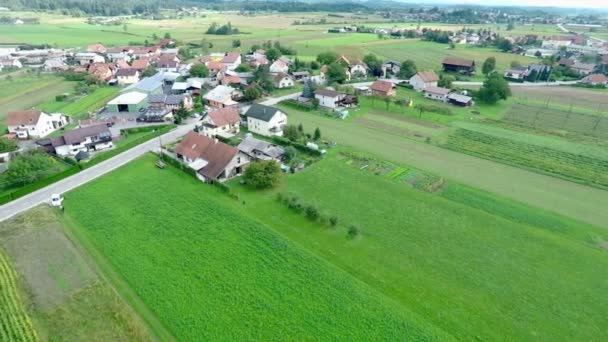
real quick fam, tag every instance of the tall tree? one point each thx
(489, 65)
(408, 69)
(494, 88)
(326, 58)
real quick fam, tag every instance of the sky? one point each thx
(545, 3)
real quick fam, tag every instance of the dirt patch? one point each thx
(50, 265)
(406, 119)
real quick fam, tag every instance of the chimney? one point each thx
(215, 140)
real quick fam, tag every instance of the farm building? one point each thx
(424, 79)
(329, 98)
(265, 120)
(383, 88)
(148, 85)
(459, 65)
(460, 100)
(131, 102)
(283, 81)
(437, 93)
(258, 149)
(127, 76)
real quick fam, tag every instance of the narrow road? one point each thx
(43, 195)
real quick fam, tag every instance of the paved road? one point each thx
(43, 195)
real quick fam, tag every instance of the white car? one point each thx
(56, 200)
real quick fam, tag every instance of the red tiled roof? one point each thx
(382, 86)
(224, 116)
(437, 90)
(428, 76)
(231, 80)
(215, 66)
(217, 154)
(24, 117)
(140, 64)
(231, 57)
(596, 78)
(122, 64)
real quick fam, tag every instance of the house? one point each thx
(55, 64)
(265, 120)
(127, 76)
(383, 88)
(131, 102)
(212, 160)
(10, 63)
(96, 48)
(230, 79)
(278, 66)
(34, 123)
(85, 139)
(259, 54)
(231, 60)
(458, 65)
(566, 62)
(119, 53)
(222, 121)
(583, 68)
(122, 64)
(516, 73)
(460, 100)
(222, 96)
(595, 80)
(283, 81)
(170, 102)
(258, 61)
(215, 68)
(141, 64)
(391, 67)
(301, 76)
(555, 42)
(258, 149)
(101, 71)
(424, 79)
(329, 98)
(148, 85)
(437, 93)
(166, 65)
(358, 69)
(84, 58)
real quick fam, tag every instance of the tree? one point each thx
(325, 58)
(262, 77)
(263, 174)
(150, 71)
(8, 145)
(252, 92)
(353, 231)
(489, 65)
(199, 70)
(167, 35)
(335, 73)
(292, 133)
(181, 113)
(290, 153)
(515, 64)
(538, 54)
(236, 43)
(373, 63)
(408, 69)
(494, 88)
(273, 54)
(445, 81)
(243, 67)
(309, 90)
(505, 45)
(317, 135)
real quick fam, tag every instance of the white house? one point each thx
(329, 98)
(231, 60)
(222, 96)
(34, 123)
(556, 42)
(84, 58)
(85, 139)
(265, 120)
(424, 79)
(10, 63)
(516, 73)
(283, 81)
(127, 76)
(223, 122)
(212, 160)
(118, 54)
(358, 70)
(436, 93)
(279, 66)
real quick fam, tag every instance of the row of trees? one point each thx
(222, 30)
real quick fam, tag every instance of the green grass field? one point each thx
(476, 265)
(78, 108)
(209, 272)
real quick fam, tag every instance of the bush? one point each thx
(263, 174)
(353, 231)
(333, 221)
(312, 213)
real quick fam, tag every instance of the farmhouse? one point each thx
(301, 76)
(258, 149)
(391, 67)
(265, 120)
(279, 66)
(283, 81)
(516, 73)
(460, 100)
(131, 102)
(212, 160)
(84, 58)
(424, 79)
(383, 88)
(555, 42)
(223, 122)
(463, 66)
(222, 96)
(101, 71)
(34, 123)
(437, 93)
(231, 60)
(52, 65)
(118, 54)
(595, 80)
(85, 139)
(167, 66)
(358, 69)
(140, 64)
(127, 76)
(329, 98)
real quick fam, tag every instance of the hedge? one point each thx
(38, 185)
(297, 105)
(298, 146)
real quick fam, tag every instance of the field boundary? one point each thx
(105, 269)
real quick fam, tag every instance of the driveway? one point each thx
(43, 195)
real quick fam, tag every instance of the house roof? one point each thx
(566, 61)
(122, 64)
(129, 98)
(231, 57)
(78, 135)
(24, 117)
(327, 92)
(382, 86)
(224, 116)
(213, 65)
(96, 48)
(280, 76)
(231, 79)
(220, 94)
(460, 98)
(250, 145)
(147, 84)
(217, 154)
(127, 72)
(428, 76)
(167, 64)
(459, 62)
(583, 66)
(596, 78)
(279, 64)
(301, 73)
(261, 112)
(437, 90)
(141, 63)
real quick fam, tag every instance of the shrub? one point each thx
(353, 231)
(312, 213)
(333, 221)
(263, 174)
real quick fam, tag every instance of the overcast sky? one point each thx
(548, 3)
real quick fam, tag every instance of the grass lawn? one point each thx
(209, 272)
(79, 107)
(506, 271)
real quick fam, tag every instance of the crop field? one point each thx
(15, 324)
(543, 118)
(78, 108)
(209, 272)
(546, 159)
(476, 265)
(587, 101)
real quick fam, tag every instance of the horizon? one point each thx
(586, 4)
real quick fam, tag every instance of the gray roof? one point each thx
(261, 112)
(260, 149)
(147, 84)
(166, 99)
(460, 98)
(301, 73)
(327, 92)
(80, 134)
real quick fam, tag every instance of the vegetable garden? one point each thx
(15, 325)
